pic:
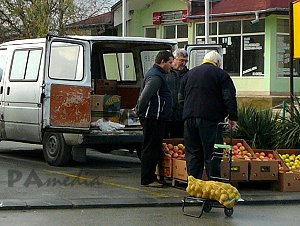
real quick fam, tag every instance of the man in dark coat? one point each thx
(174, 128)
(209, 97)
(154, 110)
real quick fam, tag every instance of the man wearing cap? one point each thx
(209, 96)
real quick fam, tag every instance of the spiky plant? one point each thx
(289, 131)
(257, 127)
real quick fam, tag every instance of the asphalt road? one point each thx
(263, 215)
(38, 194)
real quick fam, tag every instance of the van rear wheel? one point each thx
(55, 150)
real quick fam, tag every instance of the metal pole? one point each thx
(124, 2)
(206, 22)
(291, 54)
(124, 34)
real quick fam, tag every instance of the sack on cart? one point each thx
(224, 193)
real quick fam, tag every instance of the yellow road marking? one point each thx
(109, 183)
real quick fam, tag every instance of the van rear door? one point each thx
(67, 87)
(197, 52)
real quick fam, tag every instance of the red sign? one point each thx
(184, 17)
(156, 18)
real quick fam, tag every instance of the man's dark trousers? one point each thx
(200, 137)
(151, 154)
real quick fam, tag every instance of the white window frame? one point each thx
(242, 35)
(176, 32)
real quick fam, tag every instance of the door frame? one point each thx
(66, 103)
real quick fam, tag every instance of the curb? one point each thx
(111, 203)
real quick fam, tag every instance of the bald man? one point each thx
(209, 96)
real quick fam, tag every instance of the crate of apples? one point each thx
(263, 156)
(239, 151)
(174, 151)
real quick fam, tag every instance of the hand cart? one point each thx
(206, 204)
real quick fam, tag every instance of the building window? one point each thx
(178, 32)
(182, 31)
(253, 55)
(170, 31)
(243, 52)
(253, 28)
(200, 29)
(283, 50)
(230, 27)
(283, 26)
(150, 32)
(231, 54)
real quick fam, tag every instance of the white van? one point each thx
(47, 84)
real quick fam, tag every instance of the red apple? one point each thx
(239, 144)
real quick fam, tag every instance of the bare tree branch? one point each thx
(36, 18)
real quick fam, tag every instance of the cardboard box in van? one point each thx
(97, 102)
(105, 102)
(111, 103)
(103, 86)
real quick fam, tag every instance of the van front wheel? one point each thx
(55, 150)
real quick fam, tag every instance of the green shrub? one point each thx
(257, 127)
(288, 134)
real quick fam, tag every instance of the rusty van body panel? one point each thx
(70, 106)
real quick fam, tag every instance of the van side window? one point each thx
(114, 69)
(2, 62)
(66, 61)
(148, 59)
(26, 64)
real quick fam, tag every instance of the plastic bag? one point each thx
(107, 126)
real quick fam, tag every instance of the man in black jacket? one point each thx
(209, 97)
(154, 109)
(174, 128)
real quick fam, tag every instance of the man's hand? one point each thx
(134, 112)
(232, 124)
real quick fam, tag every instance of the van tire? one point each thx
(55, 150)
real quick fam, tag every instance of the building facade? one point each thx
(254, 35)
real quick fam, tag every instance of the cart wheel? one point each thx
(207, 207)
(228, 212)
